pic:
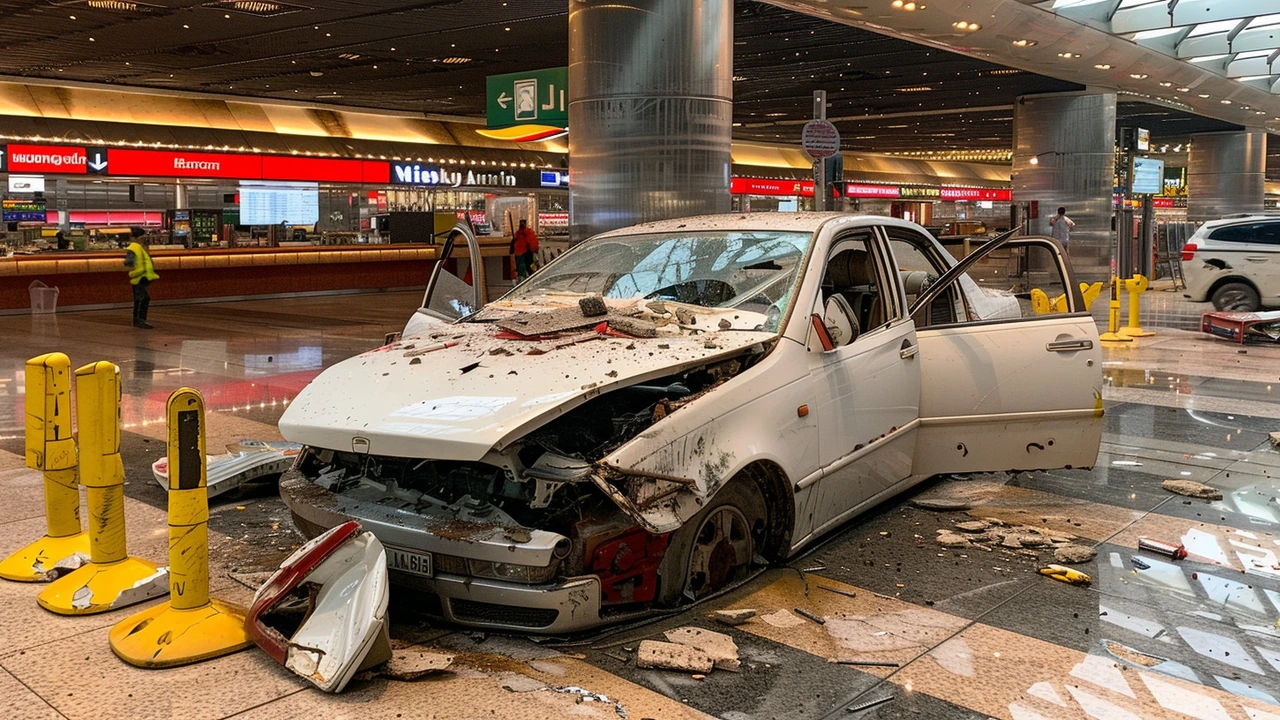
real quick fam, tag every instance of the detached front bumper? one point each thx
(567, 606)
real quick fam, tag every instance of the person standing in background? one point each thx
(524, 246)
(1060, 227)
(142, 272)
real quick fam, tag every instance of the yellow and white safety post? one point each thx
(51, 449)
(1113, 317)
(1135, 286)
(190, 627)
(112, 579)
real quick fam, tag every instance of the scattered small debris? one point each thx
(410, 662)
(1275, 439)
(721, 648)
(1074, 554)
(593, 306)
(972, 526)
(1191, 488)
(941, 504)
(415, 361)
(733, 617)
(500, 351)
(725, 324)
(867, 663)
(1169, 550)
(816, 618)
(838, 591)
(516, 682)
(588, 696)
(252, 580)
(672, 656)
(468, 368)
(815, 568)
(949, 539)
(685, 317)
(1066, 575)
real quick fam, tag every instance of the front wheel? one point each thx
(1236, 297)
(716, 548)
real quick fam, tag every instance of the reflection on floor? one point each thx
(962, 632)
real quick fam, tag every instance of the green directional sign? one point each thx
(535, 97)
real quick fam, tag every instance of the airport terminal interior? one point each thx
(730, 359)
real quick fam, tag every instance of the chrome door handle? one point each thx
(1256, 259)
(1069, 345)
(908, 350)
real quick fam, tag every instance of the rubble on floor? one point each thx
(672, 656)
(733, 617)
(1191, 488)
(721, 648)
(941, 504)
(1073, 554)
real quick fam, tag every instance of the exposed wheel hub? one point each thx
(721, 550)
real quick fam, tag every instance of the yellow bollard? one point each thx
(51, 448)
(1135, 286)
(190, 627)
(1113, 318)
(112, 579)
(1090, 292)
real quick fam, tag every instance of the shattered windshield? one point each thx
(749, 270)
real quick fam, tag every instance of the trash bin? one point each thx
(44, 299)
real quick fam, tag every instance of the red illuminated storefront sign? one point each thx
(804, 188)
(970, 193)
(63, 159)
(66, 159)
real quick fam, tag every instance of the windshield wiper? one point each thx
(766, 265)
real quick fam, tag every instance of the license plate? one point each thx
(409, 561)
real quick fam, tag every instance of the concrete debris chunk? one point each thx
(783, 618)
(950, 539)
(635, 327)
(721, 648)
(1275, 439)
(1012, 540)
(1032, 540)
(972, 526)
(941, 504)
(1074, 554)
(733, 617)
(593, 306)
(515, 682)
(672, 656)
(1191, 488)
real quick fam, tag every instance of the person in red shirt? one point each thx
(524, 246)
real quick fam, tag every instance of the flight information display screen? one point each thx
(1148, 176)
(276, 204)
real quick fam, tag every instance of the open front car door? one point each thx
(457, 285)
(1020, 392)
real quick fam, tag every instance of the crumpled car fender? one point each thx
(665, 475)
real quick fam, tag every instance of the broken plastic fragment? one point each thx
(323, 614)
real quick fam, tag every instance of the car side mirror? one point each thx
(840, 321)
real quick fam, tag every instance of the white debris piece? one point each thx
(411, 661)
(733, 617)
(671, 656)
(783, 618)
(720, 647)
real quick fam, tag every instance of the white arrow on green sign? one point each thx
(535, 97)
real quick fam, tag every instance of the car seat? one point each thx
(851, 275)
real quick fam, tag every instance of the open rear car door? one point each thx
(1016, 393)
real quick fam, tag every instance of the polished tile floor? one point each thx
(965, 633)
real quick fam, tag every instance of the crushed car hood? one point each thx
(457, 391)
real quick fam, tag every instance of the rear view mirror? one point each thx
(841, 323)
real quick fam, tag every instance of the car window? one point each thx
(754, 271)
(1031, 269)
(1260, 232)
(856, 271)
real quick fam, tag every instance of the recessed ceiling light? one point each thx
(966, 26)
(1204, 95)
(1068, 55)
(1166, 84)
(1139, 76)
(92, 40)
(1024, 43)
(1103, 67)
(261, 8)
(1183, 89)
(73, 17)
(1225, 102)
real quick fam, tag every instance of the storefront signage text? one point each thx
(435, 176)
(47, 158)
(804, 188)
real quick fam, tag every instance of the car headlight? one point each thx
(512, 572)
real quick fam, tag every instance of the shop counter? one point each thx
(99, 279)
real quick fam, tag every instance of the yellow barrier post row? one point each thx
(1113, 317)
(190, 627)
(51, 448)
(112, 579)
(1135, 286)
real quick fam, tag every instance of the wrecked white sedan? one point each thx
(664, 406)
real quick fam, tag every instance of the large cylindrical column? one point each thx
(650, 111)
(1064, 156)
(1226, 173)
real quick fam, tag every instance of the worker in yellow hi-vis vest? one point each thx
(142, 272)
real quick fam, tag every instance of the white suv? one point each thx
(1235, 263)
